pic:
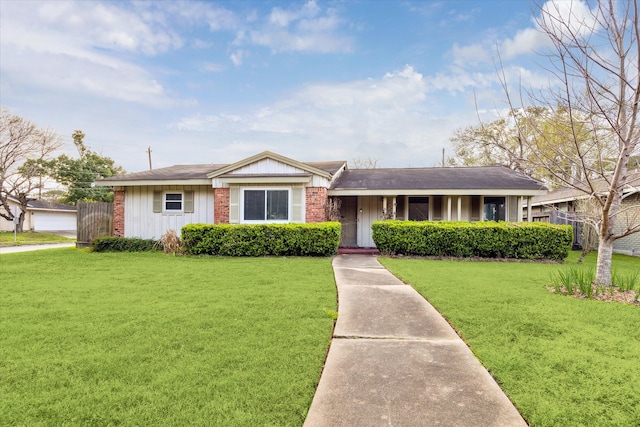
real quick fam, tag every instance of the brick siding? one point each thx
(221, 205)
(316, 203)
(118, 213)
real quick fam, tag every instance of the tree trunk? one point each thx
(603, 269)
(20, 225)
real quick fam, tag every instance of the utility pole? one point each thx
(443, 157)
(149, 153)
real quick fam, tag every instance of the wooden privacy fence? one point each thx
(95, 219)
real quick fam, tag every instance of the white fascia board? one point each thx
(144, 183)
(267, 180)
(429, 192)
(53, 210)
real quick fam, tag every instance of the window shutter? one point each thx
(296, 204)
(188, 202)
(234, 205)
(157, 201)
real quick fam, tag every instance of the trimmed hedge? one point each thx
(524, 240)
(312, 239)
(124, 244)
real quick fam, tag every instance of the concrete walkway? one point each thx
(27, 248)
(395, 361)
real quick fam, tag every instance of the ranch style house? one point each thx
(269, 187)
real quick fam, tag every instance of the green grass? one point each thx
(30, 238)
(562, 361)
(151, 339)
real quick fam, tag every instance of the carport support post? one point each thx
(529, 218)
(520, 199)
(395, 207)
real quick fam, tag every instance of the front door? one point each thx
(349, 221)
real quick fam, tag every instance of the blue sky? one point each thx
(214, 82)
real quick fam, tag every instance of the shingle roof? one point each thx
(463, 178)
(41, 204)
(570, 193)
(183, 172)
(177, 172)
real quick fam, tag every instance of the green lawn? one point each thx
(30, 238)
(563, 361)
(151, 339)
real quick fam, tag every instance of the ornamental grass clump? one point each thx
(626, 282)
(171, 243)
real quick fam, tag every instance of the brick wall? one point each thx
(118, 213)
(316, 202)
(221, 206)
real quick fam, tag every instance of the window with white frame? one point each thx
(265, 204)
(173, 202)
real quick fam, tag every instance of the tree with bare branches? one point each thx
(582, 131)
(23, 147)
(595, 61)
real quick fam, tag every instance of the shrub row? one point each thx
(124, 244)
(480, 239)
(312, 239)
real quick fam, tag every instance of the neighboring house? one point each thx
(565, 205)
(269, 187)
(43, 216)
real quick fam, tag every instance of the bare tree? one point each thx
(595, 60)
(23, 147)
(365, 163)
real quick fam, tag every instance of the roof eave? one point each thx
(145, 182)
(434, 192)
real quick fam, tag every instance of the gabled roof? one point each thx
(203, 173)
(569, 193)
(463, 179)
(308, 167)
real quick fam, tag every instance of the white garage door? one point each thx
(48, 221)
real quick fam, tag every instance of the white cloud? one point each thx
(238, 56)
(528, 40)
(470, 55)
(384, 117)
(78, 48)
(300, 29)
(283, 18)
(576, 14)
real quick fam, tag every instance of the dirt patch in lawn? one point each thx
(607, 294)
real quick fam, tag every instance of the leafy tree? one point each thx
(23, 149)
(529, 140)
(79, 174)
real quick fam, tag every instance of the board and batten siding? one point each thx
(141, 221)
(273, 167)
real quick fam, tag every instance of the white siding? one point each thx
(270, 167)
(141, 221)
(267, 166)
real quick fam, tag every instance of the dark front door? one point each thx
(349, 221)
